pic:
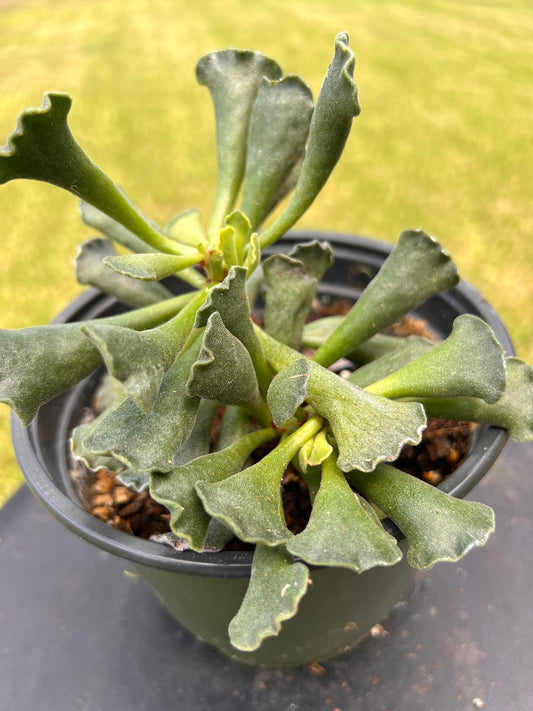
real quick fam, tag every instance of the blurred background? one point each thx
(443, 141)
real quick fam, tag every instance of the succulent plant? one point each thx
(176, 363)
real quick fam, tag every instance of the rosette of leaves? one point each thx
(177, 362)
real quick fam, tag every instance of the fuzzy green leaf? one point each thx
(224, 370)
(112, 229)
(139, 360)
(186, 228)
(230, 301)
(287, 391)
(91, 270)
(317, 332)
(316, 257)
(437, 526)
(151, 266)
(368, 428)
(249, 502)
(407, 351)
(148, 442)
(277, 584)
(340, 532)
(513, 411)
(232, 77)
(416, 269)
(43, 148)
(470, 362)
(288, 297)
(176, 489)
(314, 452)
(335, 108)
(278, 132)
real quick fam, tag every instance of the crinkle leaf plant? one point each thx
(182, 359)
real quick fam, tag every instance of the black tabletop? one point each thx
(79, 633)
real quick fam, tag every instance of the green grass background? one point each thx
(443, 141)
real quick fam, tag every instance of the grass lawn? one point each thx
(443, 141)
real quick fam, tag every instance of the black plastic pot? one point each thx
(204, 591)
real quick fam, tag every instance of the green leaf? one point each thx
(112, 229)
(224, 370)
(152, 266)
(382, 426)
(198, 442)
(242, 229)
(133, 480)
(408, 350)
(416, 269)
(277, 584)
(316, 257)
(91, 270)
(336, 106)
(279, 128)
(288, 297)
(235, 425)
(316, 332)
(253, 254)
(176, 489)
(314, 452)
(437, 526)
(470, 362)
(249, 502)
(139, 360)
(43, 148)
(232, 77)
(40, 362)
(186, 228)
(288, 390)
(513, 411)
(230, 301)
(340, 533)
(148, 442)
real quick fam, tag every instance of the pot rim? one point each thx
(488, 440)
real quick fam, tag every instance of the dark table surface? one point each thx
(77, 633)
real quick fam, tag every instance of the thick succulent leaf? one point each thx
(437, 526)
(232, 77)
(43, 148)
(288, 390)
(416, 269)
(316, 257)
(513, 411)
(340, 533)
(235, 425)
(148, 442)
(470, 362)
(140, 359)
(253, 253)
(242, 230)
(199, 441)
(277, 584)
(230, 301)
(335, 108)
(317, 332)
(249, 502)
(112, 229)
(314, 452)
(368, 428)
(408, 350)
(151, 266)
(134, 480)
(42, 361)
(279, 128)
(288, 297)
(224, 370)
(91, 270)
(186, 228)
(176, 489)
(92, 461)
